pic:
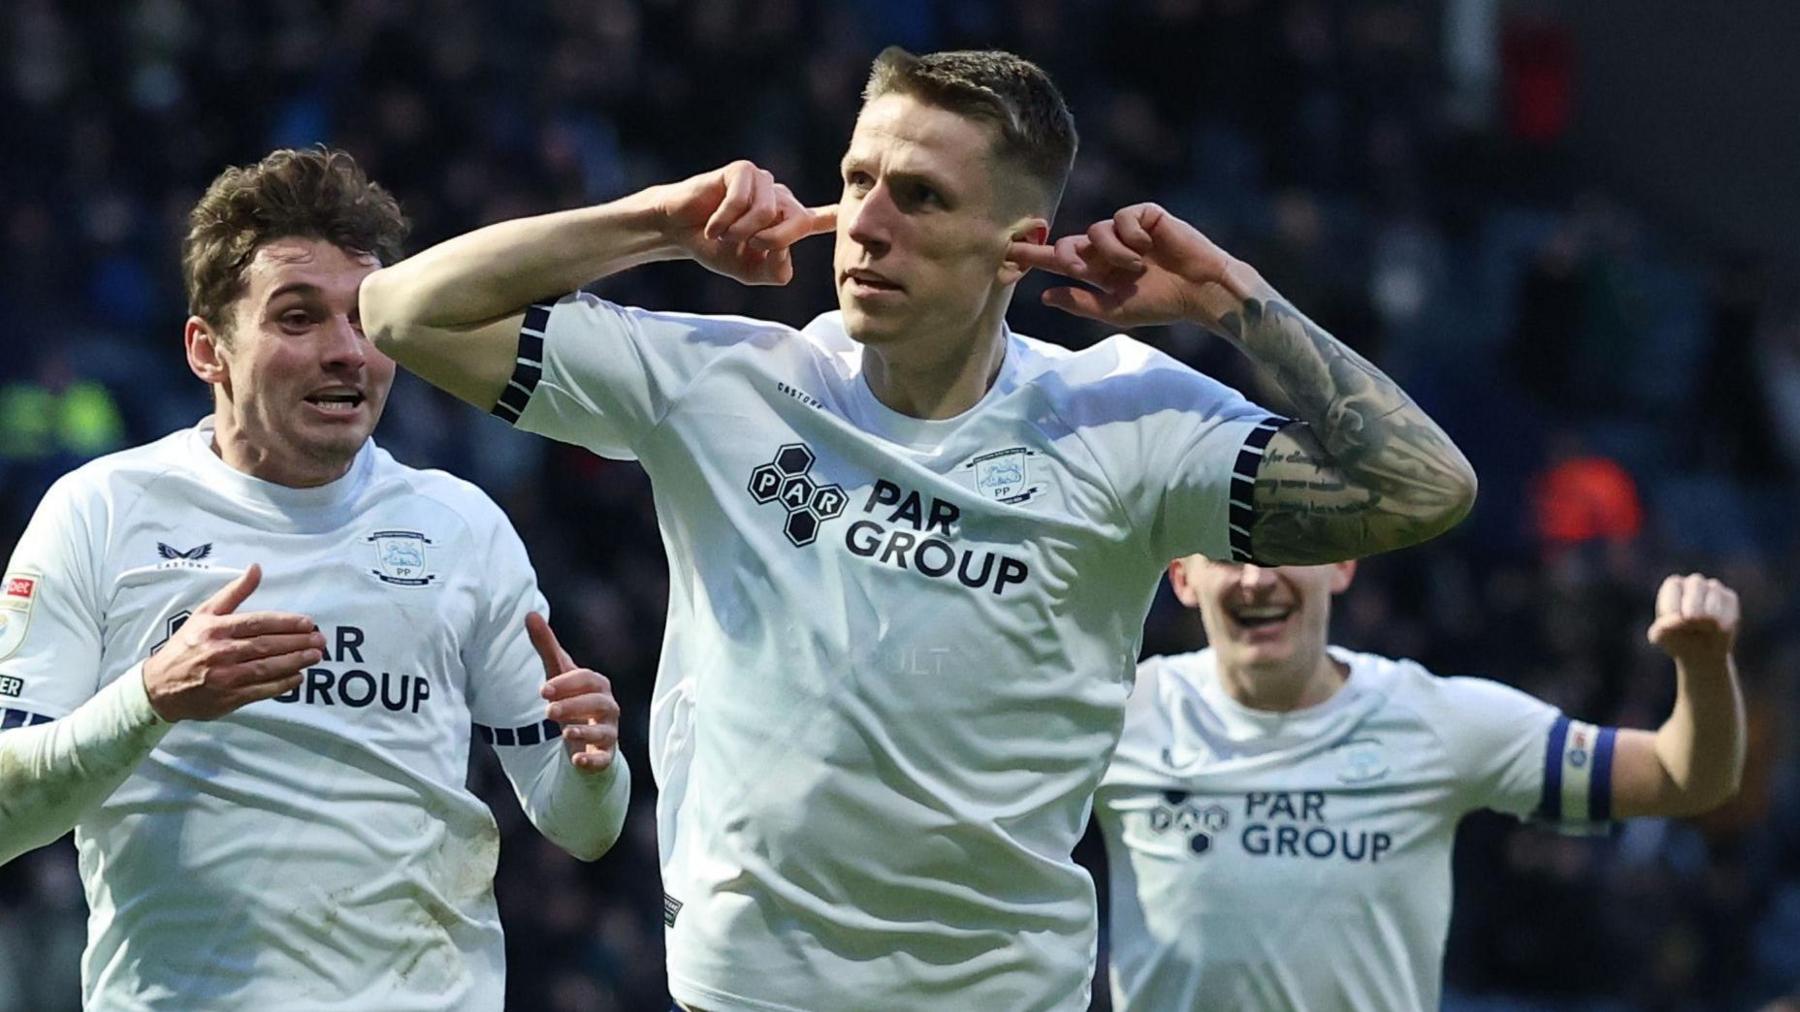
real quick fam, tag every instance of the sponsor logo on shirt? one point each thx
(18, 594)
(671, 910)
(786, 480)
(1197, 822)
(171, 627)
(10, 686)
(919, 533)
(356, 687)
(401, 558)
(1276, 828)
(914, 532)
(192, 558)
(1005, 476)
(1272, 824)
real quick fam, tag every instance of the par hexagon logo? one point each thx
(787, 481)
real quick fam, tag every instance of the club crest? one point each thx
(401, 558)
(1006, 476)
(1362, 760)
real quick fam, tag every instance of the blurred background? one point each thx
(1571, 231)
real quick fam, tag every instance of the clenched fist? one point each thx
(1696, 618)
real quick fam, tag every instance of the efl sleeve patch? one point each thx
(18, 595)
(1577, 796)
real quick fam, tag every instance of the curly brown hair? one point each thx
(312, 193)
(1037, 131)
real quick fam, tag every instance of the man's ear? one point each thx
(1184, 588)
(204, 351)
(1034, 230)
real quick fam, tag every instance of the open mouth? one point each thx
(1260, 616)
(337, 402)
(869, 281)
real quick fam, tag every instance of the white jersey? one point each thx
(898, 650)
(1302, 860)
(319, 850)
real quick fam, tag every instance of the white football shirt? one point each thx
(319, 850)
(1302, 860)
(898, 650)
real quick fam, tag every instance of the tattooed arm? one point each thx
(1366, 471)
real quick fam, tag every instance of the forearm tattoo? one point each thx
(1368, 472)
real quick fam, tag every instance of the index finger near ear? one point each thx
(1035, 255)
(232, 594)
(549, 651)
(800, 223)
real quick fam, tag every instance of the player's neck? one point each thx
(1285, 689)
(935, 378)
(243, 455)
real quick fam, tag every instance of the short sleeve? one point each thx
(51, 612)
(1515, 753)
(602, 376)
(505, 674)
(1183, 450)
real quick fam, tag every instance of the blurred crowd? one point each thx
(1401, 169)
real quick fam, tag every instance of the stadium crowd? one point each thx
(1401, 169)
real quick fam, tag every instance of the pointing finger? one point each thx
(800, 223)
(1031, 255)
(549, 651)
(233, 594)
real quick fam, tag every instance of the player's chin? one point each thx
(336, 443)
(865, 327)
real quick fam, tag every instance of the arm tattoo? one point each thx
(1368, 471)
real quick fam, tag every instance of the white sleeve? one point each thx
(1182, 449)
(1517, 754)
(52, 774)
(580, 812)
(601, 376)
(50, 610)
(583, 813)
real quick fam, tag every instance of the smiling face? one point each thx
(1265, 623)
(923, 225)
(297, 387)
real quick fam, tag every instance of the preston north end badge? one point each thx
(402, 558)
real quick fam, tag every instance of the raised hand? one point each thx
(1696, 618)
(739, 222)
(219, 660)
(1146, 267)
(581, 700)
